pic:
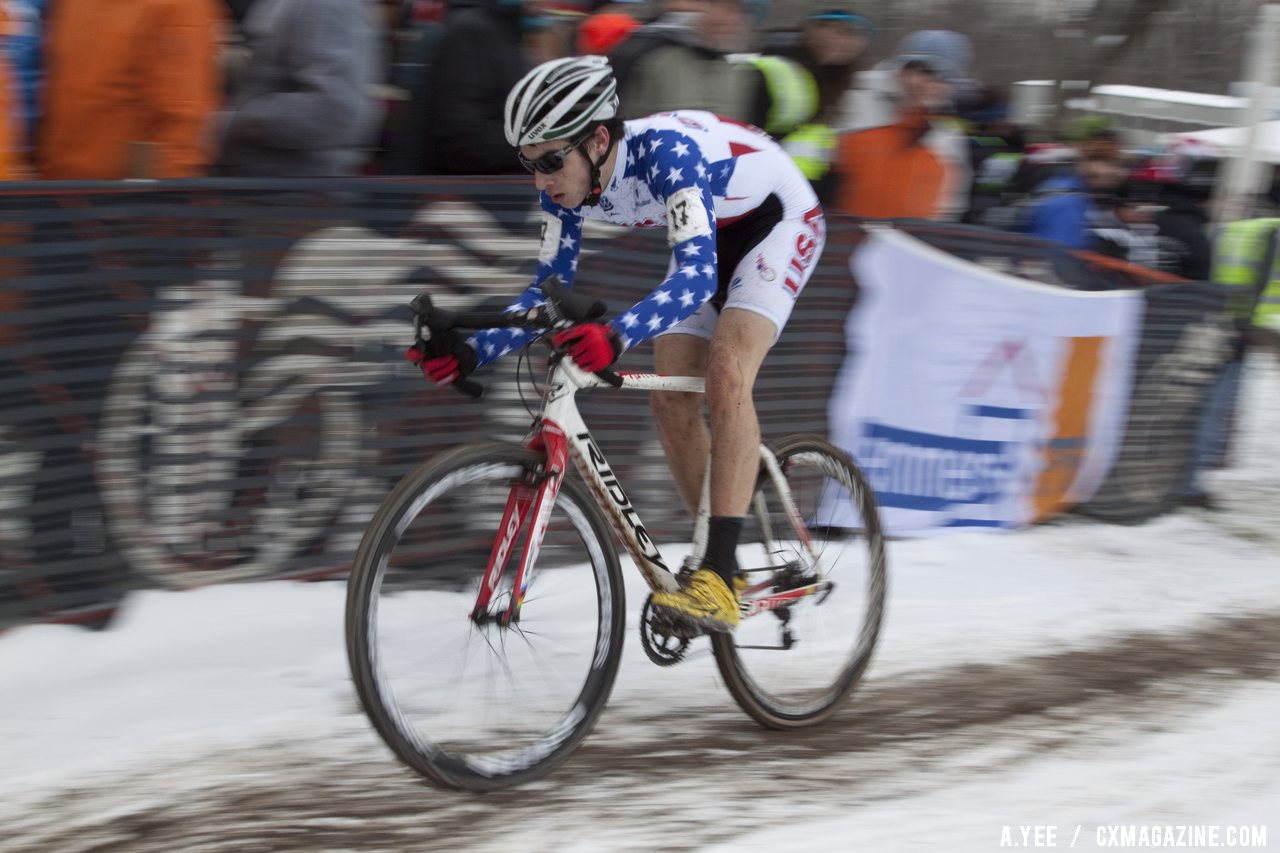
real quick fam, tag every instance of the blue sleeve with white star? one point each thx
(557, 256)
(675, 172)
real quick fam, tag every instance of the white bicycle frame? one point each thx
(563, 435)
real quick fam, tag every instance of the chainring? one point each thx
(665, 643)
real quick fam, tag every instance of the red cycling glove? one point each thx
(592, 346)
(444, 359)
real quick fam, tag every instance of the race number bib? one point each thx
(687, 216)
(551, 228)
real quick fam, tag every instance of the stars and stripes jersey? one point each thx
(688, 171)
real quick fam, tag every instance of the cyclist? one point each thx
(745, 231)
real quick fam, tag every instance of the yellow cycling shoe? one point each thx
(705, 602)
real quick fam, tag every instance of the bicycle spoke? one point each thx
(496, 701)
(796, 655)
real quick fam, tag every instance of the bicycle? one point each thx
(438, 563)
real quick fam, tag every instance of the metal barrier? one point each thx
(202, 381)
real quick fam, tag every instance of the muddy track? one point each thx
(640, 781)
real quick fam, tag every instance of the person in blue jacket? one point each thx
(1065, 209)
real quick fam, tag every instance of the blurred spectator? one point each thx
(1245, 262)
(130, 89)
(1066, 209)
(911, 161)
(305, 105)
(552, 33)
(830, 45)
(783, 94)
(1265, 331)
(1094, 136)
(679, 61)
(1161, 214)
(1086, 137)
(456, 111)
(997, 148)
(23, 34)
(9, 113)
(1268, 202)
(1122, 224)
(607, 26)
(1184, 178)
(239, 9)
(415, 37)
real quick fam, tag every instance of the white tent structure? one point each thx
(1244, 176)
(1231, 141)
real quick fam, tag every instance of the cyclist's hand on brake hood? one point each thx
(444, 359)
(592, 346)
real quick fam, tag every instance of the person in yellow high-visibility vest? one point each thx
(830, 47)
(1266, 313)
(1246, 261)
(1242, 258)
(789, 96)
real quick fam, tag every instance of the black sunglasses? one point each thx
(552, 161)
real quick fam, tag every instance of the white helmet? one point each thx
(560, 99)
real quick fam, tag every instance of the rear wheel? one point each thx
(466, 698)
(793, 659)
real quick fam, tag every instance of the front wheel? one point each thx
(464, 696)
(814, 561)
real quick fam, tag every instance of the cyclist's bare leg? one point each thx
(682, 427)
(738, 347)
(731, 361)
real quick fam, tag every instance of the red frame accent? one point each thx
(517, 510)
(773, 602)
(551, 441)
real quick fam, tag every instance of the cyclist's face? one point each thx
(567, 185)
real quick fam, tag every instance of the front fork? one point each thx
(532, 497)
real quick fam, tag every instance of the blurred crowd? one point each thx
(311, 88)
(165, 89)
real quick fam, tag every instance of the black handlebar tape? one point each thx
(609, 376)
(468, 388)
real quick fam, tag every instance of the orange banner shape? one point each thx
(1065, 448)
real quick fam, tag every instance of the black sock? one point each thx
(722, 545)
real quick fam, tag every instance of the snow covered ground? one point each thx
(1076, 676)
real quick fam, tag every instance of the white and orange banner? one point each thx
(975, 399)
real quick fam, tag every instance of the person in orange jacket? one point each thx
(10, 160)
(908, 162)
(131, 89)
(607, 26)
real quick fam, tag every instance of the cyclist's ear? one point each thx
(602, 137)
